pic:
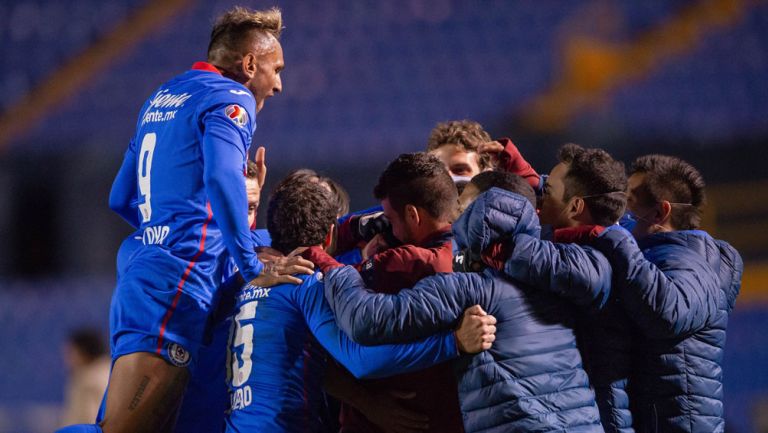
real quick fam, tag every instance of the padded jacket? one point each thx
(578, 273)
(532, 379)
(678, 289)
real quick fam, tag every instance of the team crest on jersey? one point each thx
(237, 114)
(178, 355)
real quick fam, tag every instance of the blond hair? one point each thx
(234, 29)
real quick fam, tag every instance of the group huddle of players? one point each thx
(479, 295)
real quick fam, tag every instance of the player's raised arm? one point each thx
(225, 143)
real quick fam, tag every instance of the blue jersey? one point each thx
(181, 182)
(277, 360)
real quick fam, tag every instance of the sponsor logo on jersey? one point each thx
(163, 106)
(253, 292)
(236, 114)
(178, 355)
(239, 92)
(165, 99)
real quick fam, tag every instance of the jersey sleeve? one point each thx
(123, 198)
(227, 131)
(370, 361)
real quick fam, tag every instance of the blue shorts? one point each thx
(153, 311)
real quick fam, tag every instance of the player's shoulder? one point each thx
(222, 90)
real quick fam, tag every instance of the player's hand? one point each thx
(321, 259)
(385, 410)
(374, 246)
(477, 331)
(268, 254)
(260, 158)
(278, 270)
(491, 148)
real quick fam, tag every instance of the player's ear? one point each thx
(329, 239)
(412, 213)
(249, 65)
(663, 212)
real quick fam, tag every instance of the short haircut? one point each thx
(233, 30)
(676, 181)
(599, 179)
(89, 342)
(339, 195)
(467, 134)
(299, 214)
(418, 179)
(506, 181)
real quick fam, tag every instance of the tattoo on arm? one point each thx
(139, 393)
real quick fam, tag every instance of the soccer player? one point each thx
(418, 198)
(467, 149)
(181, 185)
(276, 361)
(455, 143)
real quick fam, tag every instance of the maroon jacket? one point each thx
(436, 388)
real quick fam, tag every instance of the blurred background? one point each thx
(364, 81)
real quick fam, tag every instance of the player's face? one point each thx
(458, 161)
(253, 193)
(399, 225)
(266, 79)
(642, 213)
(553, 207)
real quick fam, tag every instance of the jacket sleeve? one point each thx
(675, 296)
(123, 196)
(403, 263)
(578, 273)
(433, 304)
(367, 362)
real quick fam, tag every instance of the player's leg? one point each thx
(144, 394)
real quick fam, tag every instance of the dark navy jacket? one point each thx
(678, 289)
(580, 274)
(532, 378)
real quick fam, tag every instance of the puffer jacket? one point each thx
(577, 273)
(678, 289)
(532, 379)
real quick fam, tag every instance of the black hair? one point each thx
(88, 342)
(421, 180)
(506, 181)
(676, 181)
(599, 179)
(299, 214)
